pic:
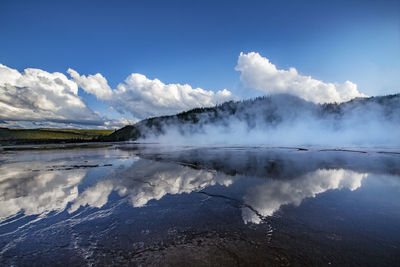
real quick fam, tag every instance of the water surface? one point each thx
(153, 205)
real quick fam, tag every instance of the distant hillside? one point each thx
(44, 135)
(266, 112)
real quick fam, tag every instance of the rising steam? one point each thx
(281, 120)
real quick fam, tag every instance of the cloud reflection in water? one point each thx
(43, 191)
(271, 196)
(146, 180)
(35, 193)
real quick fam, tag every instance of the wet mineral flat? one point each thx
(154, 205)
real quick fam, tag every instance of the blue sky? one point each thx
(199, 43)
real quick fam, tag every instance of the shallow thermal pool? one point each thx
(158, 205)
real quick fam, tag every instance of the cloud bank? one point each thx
(37, 98)
(259, 73)
(37, 95)
(143, 97)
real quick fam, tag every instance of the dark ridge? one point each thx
(269, 110)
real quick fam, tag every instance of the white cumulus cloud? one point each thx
(259, 73)
(37, 95)
(34, 96)
(143, 97)
(93, 84)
